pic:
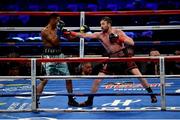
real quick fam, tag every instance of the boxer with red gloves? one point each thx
(114, 41)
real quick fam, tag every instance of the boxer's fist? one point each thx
(60, 25)
(154, 53)
(66, 32)
(113, 37)
(84, 29)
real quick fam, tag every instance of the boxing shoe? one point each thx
(87, 103)
(73, 103)
(153, 99)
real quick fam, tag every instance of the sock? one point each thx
(90, 98)
(70, 98)
(153, 97)
(149, 90)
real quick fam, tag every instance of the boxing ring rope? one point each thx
(99, 59)
(33, 77)
(90, 44)
(89, 94)
(98, 13)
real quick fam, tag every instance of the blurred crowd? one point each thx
(92, 5)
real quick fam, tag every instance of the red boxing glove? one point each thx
(66, 32)
(74, 33)
(121, 39)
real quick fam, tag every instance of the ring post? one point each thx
(162, 82)
(81, 49)
(33, 84)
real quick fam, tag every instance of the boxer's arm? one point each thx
(124, 38)
(83, 35)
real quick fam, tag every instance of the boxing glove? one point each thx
(113, 37)
(84, 29)
(60, 25)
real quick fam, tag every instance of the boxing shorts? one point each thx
(119, 68)
(55, 68)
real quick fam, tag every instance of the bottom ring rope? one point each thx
(80, 110)
(145, 109)
(90, 94)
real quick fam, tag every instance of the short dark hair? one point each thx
(53, 16)
(108, 19)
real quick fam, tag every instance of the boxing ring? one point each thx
(162, 77)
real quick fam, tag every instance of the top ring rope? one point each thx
(100, 13)
(15, 59)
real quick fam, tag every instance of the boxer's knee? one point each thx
(68, 82)
(44, 81)
(97, 82)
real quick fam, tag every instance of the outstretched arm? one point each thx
(83, 35)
